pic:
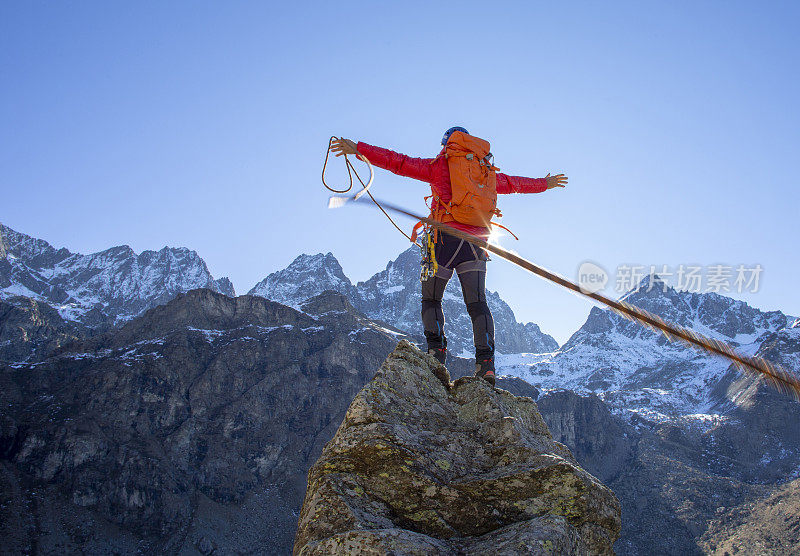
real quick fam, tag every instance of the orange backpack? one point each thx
(473, 182)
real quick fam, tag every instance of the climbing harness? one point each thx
(774, 375)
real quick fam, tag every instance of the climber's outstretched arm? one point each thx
(519, 184)
(400, 164)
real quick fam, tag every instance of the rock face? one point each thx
(190, 429)
(687, 486)
(101, 289)
(761, 433)
(768, 526)
(424, 466)
(601, 443)
(30, 329)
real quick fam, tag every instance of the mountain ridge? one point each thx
(117, 282)
(634, 367)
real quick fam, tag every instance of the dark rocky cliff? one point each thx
(30, 330)
(189, 429)
(687, 488)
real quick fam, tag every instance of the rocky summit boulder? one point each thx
(421, 465)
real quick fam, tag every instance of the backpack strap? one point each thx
(415, 231)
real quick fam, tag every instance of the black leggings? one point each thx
(469, 262)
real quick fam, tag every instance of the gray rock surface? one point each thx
(421, 465)
(30, 330)
(767, 526)
(602, 443)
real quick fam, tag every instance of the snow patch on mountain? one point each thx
(636, 370)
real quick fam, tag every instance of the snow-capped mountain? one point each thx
(108, 287)
(393, 296)
(115, 285)
(306, 277)
(637, 369)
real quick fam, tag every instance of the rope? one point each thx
(774, 375)
(352, 170)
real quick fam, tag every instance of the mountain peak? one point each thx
(306, 277)
(315, 261)
(651, 285)
(123, 251)
(225, 286)
(23, 246)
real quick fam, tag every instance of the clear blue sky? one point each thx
(204, 124)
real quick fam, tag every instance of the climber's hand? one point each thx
(559, 180)
(343, 146)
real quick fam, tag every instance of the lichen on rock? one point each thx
(421, 465)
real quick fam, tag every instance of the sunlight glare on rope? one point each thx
(336, 202)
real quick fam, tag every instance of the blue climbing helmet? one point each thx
(450, 131)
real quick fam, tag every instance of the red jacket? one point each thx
(438, 175)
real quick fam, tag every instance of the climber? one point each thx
(461, 157)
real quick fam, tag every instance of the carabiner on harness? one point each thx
(428, 250)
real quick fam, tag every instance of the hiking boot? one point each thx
(484, 368)
(440, 354)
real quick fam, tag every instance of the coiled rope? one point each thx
(352, 170)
